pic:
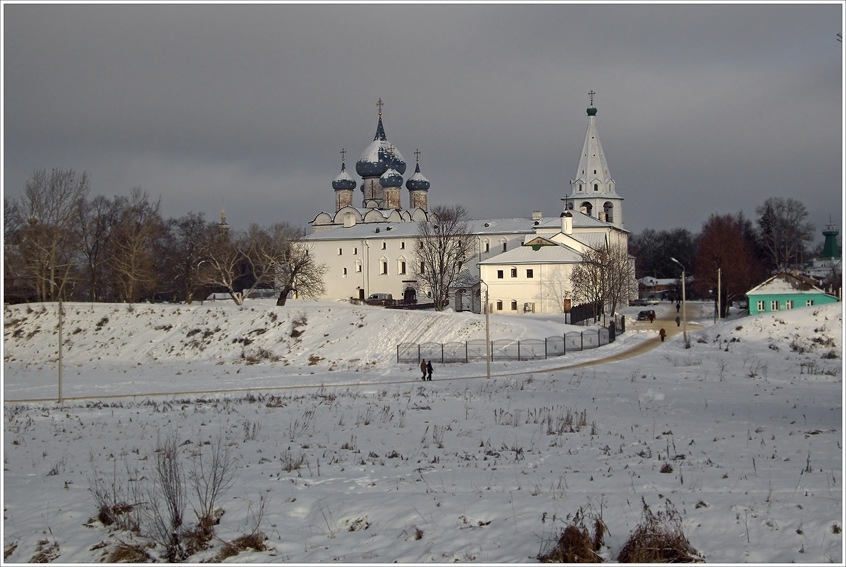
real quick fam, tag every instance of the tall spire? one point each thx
(222, 226)
(593, 190)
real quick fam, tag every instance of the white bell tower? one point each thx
(593, 191)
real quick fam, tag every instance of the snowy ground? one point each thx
(357, 460)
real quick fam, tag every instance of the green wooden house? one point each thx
(786, 291)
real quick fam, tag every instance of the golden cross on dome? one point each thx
(591, 93)
(379, 104)
(417, 155)
(343, 154)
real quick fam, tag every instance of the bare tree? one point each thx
(722, 248)
(604, 278)
(48, 245)
(132, 254)
(784, 231)
(443, 245)
(96, 218)
(295, 268)
(190, 234)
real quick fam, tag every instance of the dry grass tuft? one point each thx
(659, 539)
(128, 553)
(576, 544)
(254, 541)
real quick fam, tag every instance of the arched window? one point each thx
(513, 305)
(608, 209)
(596, 186)
(587, 208)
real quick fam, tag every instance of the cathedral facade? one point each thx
(524, 263)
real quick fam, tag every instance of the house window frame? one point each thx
(530, 273)
(774, 305)
(788, 304)
(762, 305)
(514, 305)
(499, 305)
(513, 272)
(500, 274)
(809, 303)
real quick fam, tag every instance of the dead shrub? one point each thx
(577, 544)
(659, 539)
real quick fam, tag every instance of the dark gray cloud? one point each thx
(702, 108)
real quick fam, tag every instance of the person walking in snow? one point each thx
(662, 333)
(651, 316)
(429, 370)
(423, 368)
(678, 307)
(678, 320)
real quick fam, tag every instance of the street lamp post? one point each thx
(684, 304)
(60, 339)
(487, 327)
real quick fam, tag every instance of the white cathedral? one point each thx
(525, 262)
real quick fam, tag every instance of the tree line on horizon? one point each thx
(743, 252)
(61, 244)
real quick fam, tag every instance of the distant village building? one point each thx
(786, 291)
(525, 262)
(828, 267)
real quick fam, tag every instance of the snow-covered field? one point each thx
(341, 454)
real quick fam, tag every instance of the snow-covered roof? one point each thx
(785, 283)
(649, 281)
(558, 254)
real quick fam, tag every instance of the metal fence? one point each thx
(509, 349)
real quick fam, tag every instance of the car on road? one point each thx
(652, 301)
(644, 315)
(639, 303)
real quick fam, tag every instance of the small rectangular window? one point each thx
(384, 268)
(340, 251)
(513, 272)
(499, 305)
(402, 268)
(499, 274)
(422, 267)
(345, 272)
(788, 304)
(530, 273)
(355, 251)
(809, 302)
(402, 245)
(384, 245)
(514, 306)
(762, 305)
(504, 246)
(774, 305)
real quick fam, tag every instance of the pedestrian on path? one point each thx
(678, 307)
(678, 320)
(663, 334)
(429, 370)
(423, 368)
(651, 316)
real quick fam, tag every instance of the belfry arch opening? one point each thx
(608, 209)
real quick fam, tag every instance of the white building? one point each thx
(525, 261)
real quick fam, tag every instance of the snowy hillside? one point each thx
(341, 454)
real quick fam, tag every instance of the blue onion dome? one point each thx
(379, 155)
(417, 182)
(391, 178)
(343, 180)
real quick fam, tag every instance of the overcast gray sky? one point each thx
(701, 108)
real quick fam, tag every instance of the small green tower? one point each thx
(830, 248)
